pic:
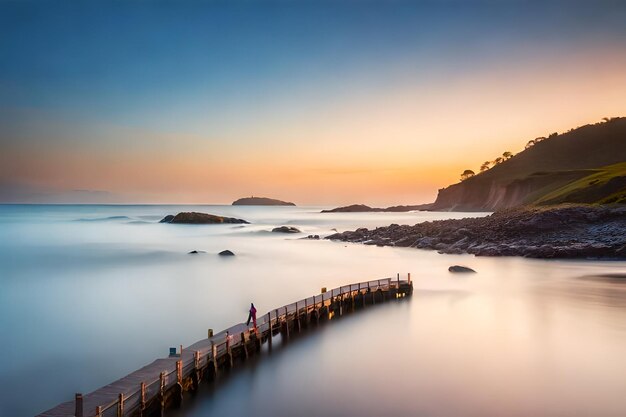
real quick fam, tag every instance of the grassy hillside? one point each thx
(583, 165)
(601, 186)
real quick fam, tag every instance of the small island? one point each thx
(261, 201)
(200, 218)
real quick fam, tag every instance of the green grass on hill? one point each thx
(603, 185)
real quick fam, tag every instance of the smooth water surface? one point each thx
(91, 293)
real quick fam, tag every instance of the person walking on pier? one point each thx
(252, 316)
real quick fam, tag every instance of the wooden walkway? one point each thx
(157, 385)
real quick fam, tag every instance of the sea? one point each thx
(90, 293)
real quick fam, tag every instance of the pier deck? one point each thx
(161, 383)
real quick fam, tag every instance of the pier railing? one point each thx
(130, 394)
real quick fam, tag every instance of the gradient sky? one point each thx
(313, 102)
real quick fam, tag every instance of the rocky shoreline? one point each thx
(570, 231)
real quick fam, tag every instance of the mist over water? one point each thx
(91, 293)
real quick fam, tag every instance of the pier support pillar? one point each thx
(120, 405)
(162, 390)
(78, 405)
(243, 344)
(214, 358)
(142, 404)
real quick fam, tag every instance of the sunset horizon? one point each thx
(182, 105)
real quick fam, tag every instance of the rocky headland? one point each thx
(362, 208)
(193, 217)
(566, 231)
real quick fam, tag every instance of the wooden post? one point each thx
(78, 405)
(228, 349)
(398, 280)
(120, 405)
(210, 333)
(179, 371)
(99, 411)
(162, 389)
(143, 396)
(214, 357)
(306, 312)
(269, 323)
(286, 322)
(409, 277)
(351, 299)
(243, 343)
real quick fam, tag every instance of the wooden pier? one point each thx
(159, 385)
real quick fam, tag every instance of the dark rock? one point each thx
(314, 237)
(226, 253)
(545, 232)
(286, 229)
(459, 268)
(195, 252)
(354, 208)
(362, 208)
(199, 218)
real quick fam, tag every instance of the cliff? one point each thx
(585, 165)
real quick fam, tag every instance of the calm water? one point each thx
(90, 293)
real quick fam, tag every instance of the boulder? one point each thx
(195, 252)
(286, 229)
(459, 268)
(226, 253)
(167, 219)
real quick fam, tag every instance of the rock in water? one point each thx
(226, 253)
(195, 252)
(285, 229)
(199, 218)
(459, 268)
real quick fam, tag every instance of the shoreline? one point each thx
(564, 232)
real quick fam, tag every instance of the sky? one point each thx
(320, 103)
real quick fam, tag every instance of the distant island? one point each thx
(200, 218)
(362, 208)
(585, 165)
(261, 201)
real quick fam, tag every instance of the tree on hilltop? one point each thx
(468, 173)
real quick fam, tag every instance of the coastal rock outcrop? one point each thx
(461, 269)
(286, 229)
(362, 208)
(566, 231)
(226, 253)
(199, 218)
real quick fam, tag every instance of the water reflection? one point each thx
(84, 303)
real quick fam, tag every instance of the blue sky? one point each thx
(99, 76)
